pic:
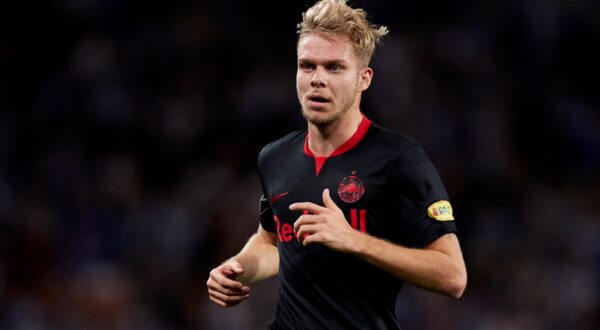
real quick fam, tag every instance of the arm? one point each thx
(438, 267)
(258, 260)
(259, 257)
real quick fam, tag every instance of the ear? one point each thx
(364, 79)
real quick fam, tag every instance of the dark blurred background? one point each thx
(129, 132)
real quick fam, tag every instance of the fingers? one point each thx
(327, 201)
(305, 231)
(229, 298)
(305, 225)
(324, 225)
(212, 284)
(314, 238)
(232, 268)
(222, 274)
(226, 300)
(308, 206)
(304, 220)
(314, 208)
(223, 290)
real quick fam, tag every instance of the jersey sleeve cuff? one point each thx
(435, 233)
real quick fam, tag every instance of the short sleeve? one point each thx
(422, 201)
(264, 207)
(266, 215)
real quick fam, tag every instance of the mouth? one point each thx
(317, 99)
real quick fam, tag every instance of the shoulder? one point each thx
(396, 144)
(405, 156)
(282, 145)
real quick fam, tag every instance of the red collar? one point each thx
(362, 129)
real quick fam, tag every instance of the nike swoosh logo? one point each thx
(277, 197)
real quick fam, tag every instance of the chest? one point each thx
(358, 185)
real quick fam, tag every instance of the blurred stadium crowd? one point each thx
(129, 132)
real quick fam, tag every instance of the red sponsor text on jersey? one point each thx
(285, 231)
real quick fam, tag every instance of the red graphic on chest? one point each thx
(351, 189)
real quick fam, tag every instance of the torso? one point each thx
(318, 287)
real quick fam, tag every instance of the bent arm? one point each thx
(258, 260)
(259, 257)
(438, 267)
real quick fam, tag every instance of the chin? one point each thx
(320, 118)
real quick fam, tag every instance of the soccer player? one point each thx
(350, 210)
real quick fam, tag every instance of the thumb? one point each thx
(327, 201)
(234, 267)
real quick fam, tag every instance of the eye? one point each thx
(335, 67)
(306, 66)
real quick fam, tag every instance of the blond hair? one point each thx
(337, 18)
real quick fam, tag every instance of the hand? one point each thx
(326, 225)
(223, 289)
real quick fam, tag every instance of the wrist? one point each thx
(358, 243)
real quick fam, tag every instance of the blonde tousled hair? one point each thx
(335, 17)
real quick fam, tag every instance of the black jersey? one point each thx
(386, 186)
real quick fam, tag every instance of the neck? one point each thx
(323, 140)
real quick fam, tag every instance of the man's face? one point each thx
(329, 80)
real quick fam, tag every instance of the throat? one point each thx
(323, 140)
(321, 146)
(350, 143)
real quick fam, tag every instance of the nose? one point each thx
(318, 77)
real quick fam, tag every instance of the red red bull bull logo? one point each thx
(351, 189)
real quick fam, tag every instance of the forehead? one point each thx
(320, 47)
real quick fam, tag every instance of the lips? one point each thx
(317, 98)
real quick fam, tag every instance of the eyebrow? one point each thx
(325, 63)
